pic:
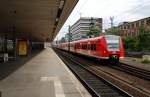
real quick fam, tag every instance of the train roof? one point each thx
(95, 38)
(91, 39)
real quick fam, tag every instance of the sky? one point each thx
(121, 10)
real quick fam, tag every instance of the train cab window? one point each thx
(113, 42)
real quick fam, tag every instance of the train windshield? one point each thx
(113, 42)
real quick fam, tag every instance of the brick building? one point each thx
(131, 29)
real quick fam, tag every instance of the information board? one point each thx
(22, 46)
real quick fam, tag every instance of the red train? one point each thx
(103, 47)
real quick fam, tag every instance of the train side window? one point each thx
(82, 46)
(86, 46)
(75, 46)
(78, 46)
(91, 46)
(94, 48)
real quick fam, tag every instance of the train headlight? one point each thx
(115, 56)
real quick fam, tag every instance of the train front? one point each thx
(114, 47)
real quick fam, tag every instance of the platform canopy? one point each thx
(38, 20)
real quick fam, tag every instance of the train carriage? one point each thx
(103, 47)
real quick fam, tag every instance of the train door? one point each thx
(89, 47)
(75, 47)
(98, 47)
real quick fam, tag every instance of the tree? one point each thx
(130, 43)
(139, 43)
(113, 30)
(143, 39)
(93, 31)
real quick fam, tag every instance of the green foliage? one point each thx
(113, 30)
(93, 31)
(139, 43)
(130, 43)
(145, 61)
(143, 39)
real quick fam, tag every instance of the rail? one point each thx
(97, 86)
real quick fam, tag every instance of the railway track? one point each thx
(141, 73)
(96, 85)
(137, 72)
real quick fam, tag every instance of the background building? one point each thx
(80, 28)
(132, 28)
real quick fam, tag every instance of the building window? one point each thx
(132, 25)
(137, 24)
(148, 21)
(128, 26)
(125, 27)
(142, 22)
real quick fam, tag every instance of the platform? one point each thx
(45, 75)
(132, 61)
